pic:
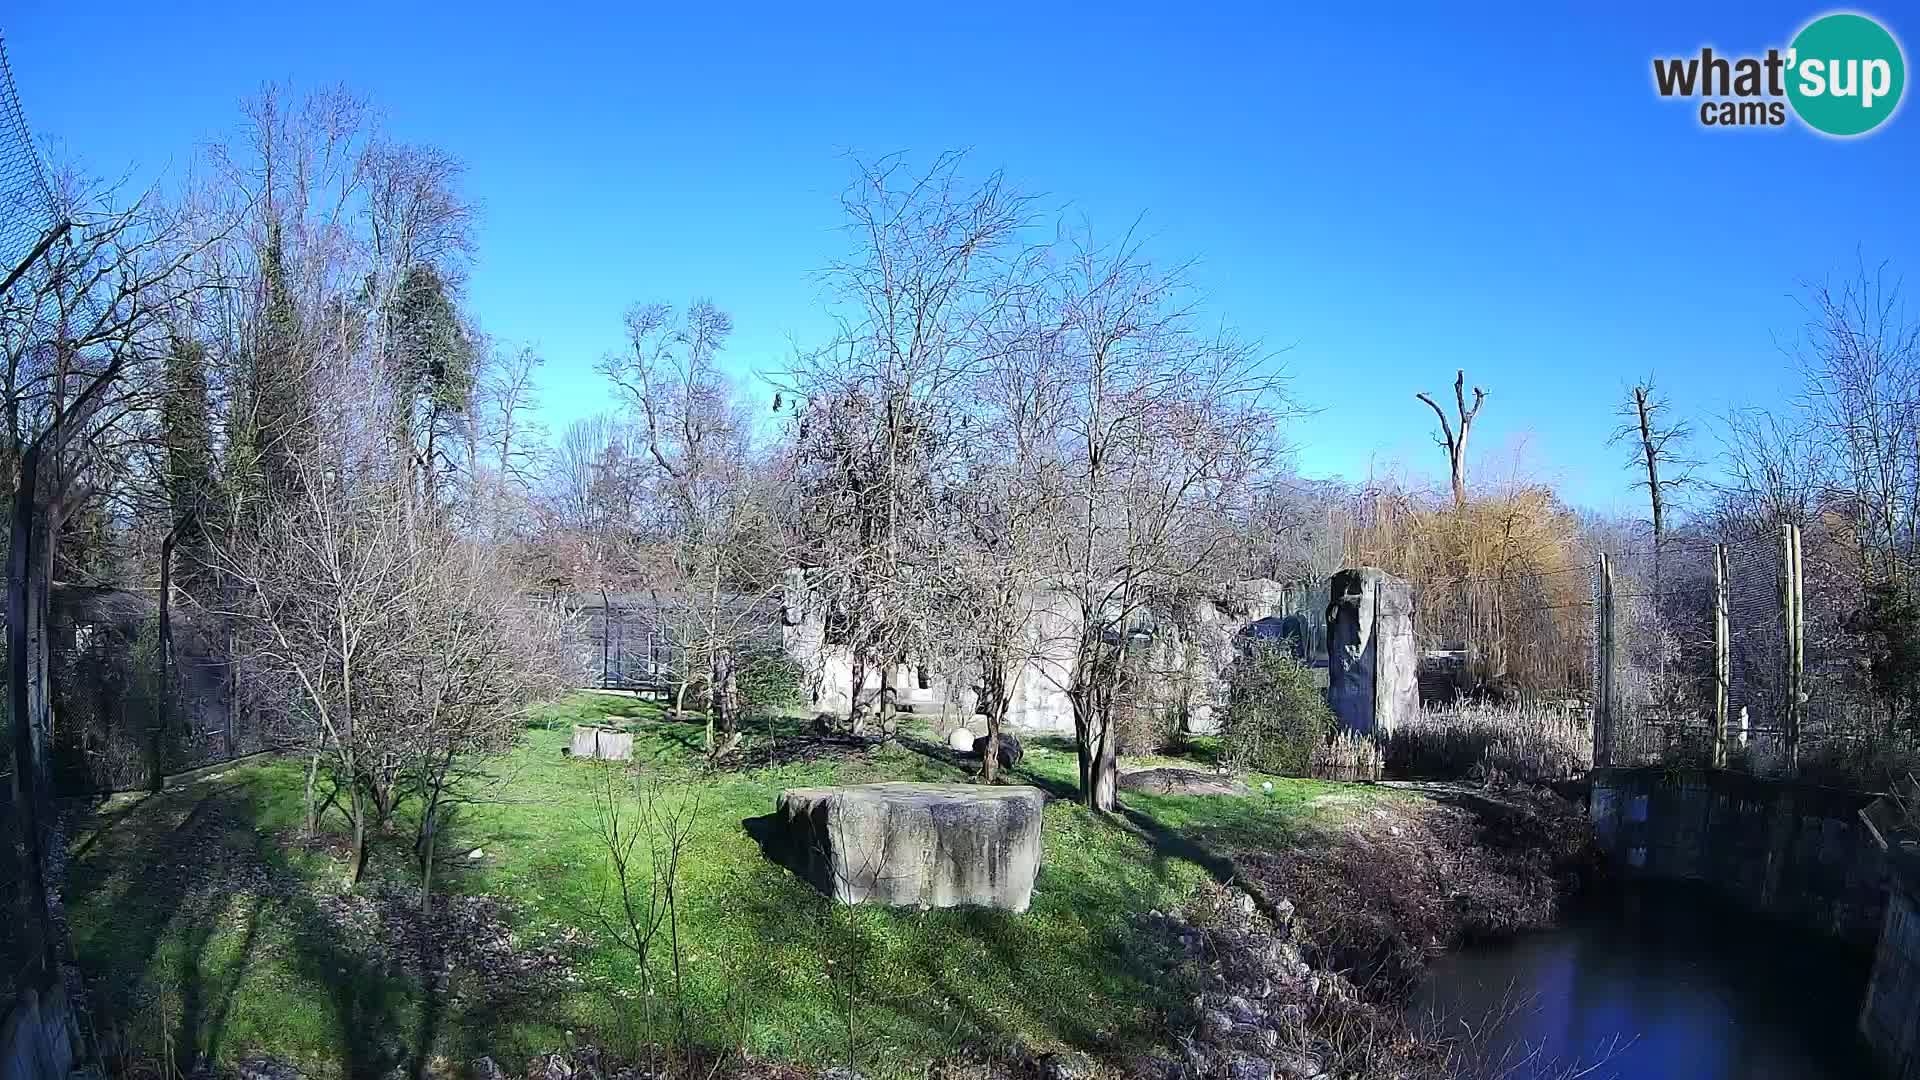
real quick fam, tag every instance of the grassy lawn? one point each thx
(212, 931)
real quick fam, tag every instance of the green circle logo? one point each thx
(1845, 74)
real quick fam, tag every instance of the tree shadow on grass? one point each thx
(968, 763)
(187, 915)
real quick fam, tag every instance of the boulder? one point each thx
(601, 744)
(1373, 667)
(1011, 752)
(1172, 781)
(961, 740)
(916, 845)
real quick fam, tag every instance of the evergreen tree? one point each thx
(432, 360)
(280, 419)
(186, 429)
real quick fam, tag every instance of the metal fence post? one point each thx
(1796, 658)
(1604, 706)
(1722, 656)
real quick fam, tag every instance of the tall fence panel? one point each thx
(1744, 653)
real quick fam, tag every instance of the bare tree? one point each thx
(1163, 429)
(1773, 473)
(934, 264)
(83, 332)
(712, 514)
(1006, 509)
(1859, 355)
(1658, 455)
(1455, 444)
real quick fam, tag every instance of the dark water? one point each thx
(1688, 988)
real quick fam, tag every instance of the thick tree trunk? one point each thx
(30, 710)
(889, 698)
(1106, 767)
(993, 704)
(357, 849)
(856, 710)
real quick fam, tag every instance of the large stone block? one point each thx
(1372, 665)
(911, 845)
(601, 744)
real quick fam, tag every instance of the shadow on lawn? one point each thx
(968, 968)
(176, 906)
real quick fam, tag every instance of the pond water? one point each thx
(1678, 983)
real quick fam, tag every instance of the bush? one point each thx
(770, 684)
(1277, 718)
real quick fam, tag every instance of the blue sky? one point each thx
(1388, 194)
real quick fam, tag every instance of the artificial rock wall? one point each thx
(1181, 653)
(38, 1036)
(1890, 1017)
(1372, 658)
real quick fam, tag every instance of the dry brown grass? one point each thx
(1491, 743)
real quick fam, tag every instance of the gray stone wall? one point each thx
(39, 1036)
(1890, 1017)
(1794, 851)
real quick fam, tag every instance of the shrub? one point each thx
(770, 684)
(1276, 718)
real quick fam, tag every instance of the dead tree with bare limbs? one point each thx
(1456, 444)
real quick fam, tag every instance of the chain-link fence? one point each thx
(1742, 653)
(28, 218)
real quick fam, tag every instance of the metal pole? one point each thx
(1796, 647)
(1722, 656)
(1603, 715)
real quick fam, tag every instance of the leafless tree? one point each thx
(934, 264)
(711, 501)
(1859, 354)
(646, 830)
(1455, 443)
(83, 327)
(1164, 428)
(1006, 510)
(1772, 472)
(1659, 455)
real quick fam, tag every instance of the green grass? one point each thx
(193, 953)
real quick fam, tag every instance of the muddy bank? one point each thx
(1382, 893)
(1301, 967)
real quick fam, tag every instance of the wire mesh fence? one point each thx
(27, 218)
(1773, 679)
(1743, 652)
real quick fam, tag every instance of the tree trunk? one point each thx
(856, 712)
(606, 639)
(163, 709)
(429, 841)
(993, 704)
(357, 850)
(30, 710)
(313, 773)
(889, 698)
(1106, 770)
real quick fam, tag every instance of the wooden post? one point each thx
(1794, 618)
(1722, 656)
(1603, 712)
